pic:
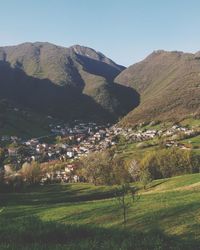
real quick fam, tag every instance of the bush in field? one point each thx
(119, 171)
(11, 179)
(96, 168)
(108, 168)
(174, 162)
(149, 165)
(1, 177)
(120, 139)
(169, 162)
(134, 168)
(195, 158)
(31, 172)
(14, 181)
(104, 168)
(2, 156)
(145, 178)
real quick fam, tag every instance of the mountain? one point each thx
(168, 84)
(69, 83)
(15, 120)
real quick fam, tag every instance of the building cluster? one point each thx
(148, 134)
(65, 175)
(73, 142)
(68, 142)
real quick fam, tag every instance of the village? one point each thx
(70, 143)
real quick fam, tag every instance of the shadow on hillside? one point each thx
(52, 194)
(63, 102)
(156, 184)
(99, 68)
(126, 96)
(44, 96)
(32, 233)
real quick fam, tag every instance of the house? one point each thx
(12, 151)
(7, 169)
(69, 168)
(5, 138)
(70, 154)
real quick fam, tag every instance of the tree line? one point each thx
(108, 168)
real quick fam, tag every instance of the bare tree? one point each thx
(31, 172)
(125, 196)
(134, 169)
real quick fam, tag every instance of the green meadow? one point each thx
(83, 216)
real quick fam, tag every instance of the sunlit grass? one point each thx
(166, 215)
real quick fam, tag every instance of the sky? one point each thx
(124, 30)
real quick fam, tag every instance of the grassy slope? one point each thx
(81, 216)
(191, 123)
(168, 83)
(22, 124)
(131, 150)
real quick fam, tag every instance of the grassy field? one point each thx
(82, 216)
(194, 141)
(133, 150)
(191, 122)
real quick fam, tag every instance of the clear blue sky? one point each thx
(124, 30)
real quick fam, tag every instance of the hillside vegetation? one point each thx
(69, 83)
(168, 84)
(82, 216)
(15, 121)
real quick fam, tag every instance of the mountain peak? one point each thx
(67, 82)
(168, 83)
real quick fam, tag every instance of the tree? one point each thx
(166, 163)
(125, 196)
(145, 177)
(195, 159)
(149, 166)
(104, 168)
(134, 169)
(31, 172)
(23, 151)
(96, 168)
(174, 161)
(2, 156)
(120, 173)
(11, 178)
(121, 139)
(1, 177)
(15, 181)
